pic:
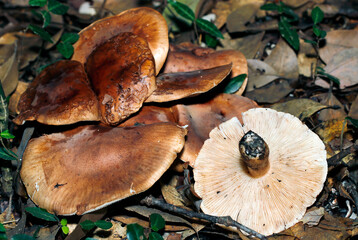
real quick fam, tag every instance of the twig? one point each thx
(227, 221)
(336, 160)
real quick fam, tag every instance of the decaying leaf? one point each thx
(353, 112)
(9, 67)
(15, 97)
(238, 19)
(301, 108)
(307, 59)
(344, 66)
(260, 74)
(313, 216)
(337, 41)
(337, 110)
(249, 45)
(271, 92)
(331, 129)
(284, 60)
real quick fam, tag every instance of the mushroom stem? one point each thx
(254, 152)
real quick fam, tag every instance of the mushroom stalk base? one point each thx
(254, 152)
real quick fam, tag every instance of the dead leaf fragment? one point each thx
(301, 108)
(313, 216)
(344, 66)
(330, 100)
(353, 112)
(260, 74)
(284, 60)
(9, 72)
(271, 92)
(331, 129)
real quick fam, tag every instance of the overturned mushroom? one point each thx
(201, 118)
(90, 167)
(144, 22)
(189, 57)
(61, 94)
(264, 173)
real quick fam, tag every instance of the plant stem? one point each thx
(227, 221)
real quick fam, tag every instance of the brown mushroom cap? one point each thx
(122, 74)
(60, 94)
(90, 167)
(189, 57)
(174, 86)
(201, 118)
(144, 22)
(278, 199)
(150, 115)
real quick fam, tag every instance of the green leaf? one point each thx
(70, 37)
(37, 3)
(41, 32)
(22, 237)
(269, 7)
(2, 228)
(316, 30)
(353, 121)
(292, 16)
(288, 34)
(87, 224)
(6, 134)
(183, 10)
(155, 236)
(65, 48)
(46, 16)
(57, 7)
(317, 15)
(321, 69)
(209, 27)
(156, 222)
(235, 84)
(65, 230)
(310, 41)
(41, 214)
(323, 34)
(329, 76)
(135, 232)
(63, 222)
(211, 41)
(103, 224)
(6, 154)
(3, 236)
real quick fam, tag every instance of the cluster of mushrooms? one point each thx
(261, 167)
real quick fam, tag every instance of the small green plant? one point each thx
(64, 226)
(136, 231)
(52, 6)
(235, 84)
(2, 232)
(89, 225)
(213, 33)
(286, 17)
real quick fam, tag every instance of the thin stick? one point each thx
(227, 221)
(336, 160)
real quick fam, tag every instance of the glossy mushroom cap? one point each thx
(276, 200)
(61, 94)
(201, 118)
(175, 86)
(143, 22)
(123, 76)
(90, 167)
(189, 57)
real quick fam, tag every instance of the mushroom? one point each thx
(174, 86)
(190, 57)
(202, 117)
(122, 74)
(143, 22)
(61, 94)
(264, 173)
(90, 167)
